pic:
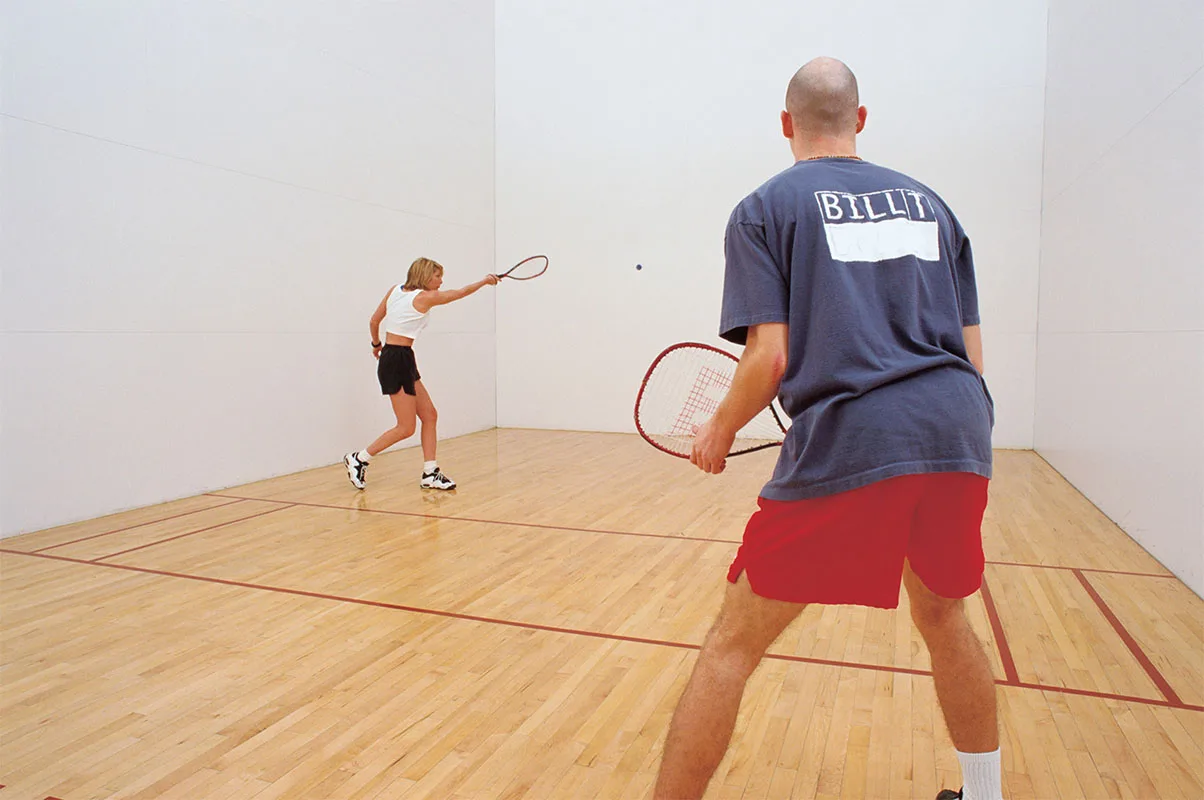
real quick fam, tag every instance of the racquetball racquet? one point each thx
(528, 268)
(683, 389)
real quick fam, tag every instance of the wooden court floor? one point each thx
(528, 636)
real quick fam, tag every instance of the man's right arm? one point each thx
(973, 337)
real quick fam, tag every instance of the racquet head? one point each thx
(683, 389)
(528, 268)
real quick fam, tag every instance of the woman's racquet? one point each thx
(527, 269)
(683, 389)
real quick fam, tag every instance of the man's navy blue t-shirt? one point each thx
(874, 277)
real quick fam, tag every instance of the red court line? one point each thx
(1005, 652)
(1086, 569)
(1181, 706)
(852, 664)
(457, 615)
(495, 521)
(192, 533)
(139, 525)
(569, 631)
(1130, 642)
(621, 533)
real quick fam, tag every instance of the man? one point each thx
(852, 288)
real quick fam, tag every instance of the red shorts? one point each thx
(849, 548)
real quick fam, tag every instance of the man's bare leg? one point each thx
(706, 713)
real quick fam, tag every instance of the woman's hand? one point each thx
(491, 280)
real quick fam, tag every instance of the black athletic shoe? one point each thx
(436, 480)
(949, 794)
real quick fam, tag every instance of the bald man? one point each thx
(852, 288)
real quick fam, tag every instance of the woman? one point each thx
(404, 312)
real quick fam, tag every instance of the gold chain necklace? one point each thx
(816, 158)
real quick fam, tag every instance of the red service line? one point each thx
(536, 525)
(1145, 701)
(577, 632)
(139, 525)
(192, 533)
(1155, 676)
(709, 540)
(1085, 569)
(630, 533)
(1001, 642)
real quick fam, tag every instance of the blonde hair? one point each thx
(421, 271)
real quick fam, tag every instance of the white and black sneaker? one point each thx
(435, 479)
(355, 469)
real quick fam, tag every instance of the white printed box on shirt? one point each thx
(878, 226)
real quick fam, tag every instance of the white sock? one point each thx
(982, 777)
(429, 466)
(364, 455)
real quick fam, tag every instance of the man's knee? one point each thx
(745, 628)
(932, 613)
(732, 646)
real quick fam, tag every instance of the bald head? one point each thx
(822, 98)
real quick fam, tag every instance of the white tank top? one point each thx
(401, 318)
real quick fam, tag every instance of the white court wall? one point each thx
(1120, 381)
(201, 205)
(627, 132)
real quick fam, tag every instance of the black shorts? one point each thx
(397, 370)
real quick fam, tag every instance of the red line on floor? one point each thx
(360, 601)
(1130, 642)
(497, 522)
(1148, 701)
(622, 533)
(852, 664)
(98, 559)
(1085, 569)
(570, 631)
(139, 525)
(468, 617)
(1001, 642)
